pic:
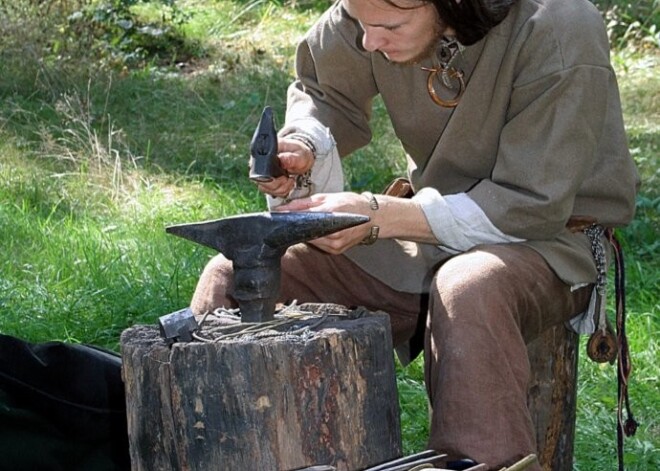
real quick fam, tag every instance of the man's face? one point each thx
(402, 35)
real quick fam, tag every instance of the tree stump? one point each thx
(264, 402)
(552, 396)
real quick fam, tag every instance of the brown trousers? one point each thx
(483, 307)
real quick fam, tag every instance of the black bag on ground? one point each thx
(62, 407)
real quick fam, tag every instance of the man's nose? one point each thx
(372, 40)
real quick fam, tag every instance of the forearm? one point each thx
(401, 218)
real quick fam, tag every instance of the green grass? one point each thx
(96, 161)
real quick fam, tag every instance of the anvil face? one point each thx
(255, 244)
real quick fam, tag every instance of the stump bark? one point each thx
(552, 396)
(269, 403)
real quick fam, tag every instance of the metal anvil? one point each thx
(255, 244)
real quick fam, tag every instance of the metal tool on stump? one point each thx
(255, 244)
(178, 326)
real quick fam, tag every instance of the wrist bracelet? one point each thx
(372, 237)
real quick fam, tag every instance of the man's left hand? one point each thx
(345, 202)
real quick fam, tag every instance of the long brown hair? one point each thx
(472, 19)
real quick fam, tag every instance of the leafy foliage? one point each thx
(107, 33)
(632, 24)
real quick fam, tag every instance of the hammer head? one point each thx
(264, 162)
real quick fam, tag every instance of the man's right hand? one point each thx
(296, 158)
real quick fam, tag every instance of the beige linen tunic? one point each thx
(537, 137)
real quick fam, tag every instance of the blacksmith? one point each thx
(509, 114)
